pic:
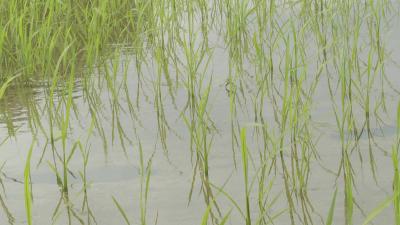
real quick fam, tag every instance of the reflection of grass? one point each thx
(6, 210)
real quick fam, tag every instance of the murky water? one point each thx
(113, 168)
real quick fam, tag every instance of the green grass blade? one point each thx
(375, 212)
(121, 210)
(6, 84)
(329, 219)
(205, 216)
(27, 189)
(225, 219)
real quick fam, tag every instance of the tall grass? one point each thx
(34, 32)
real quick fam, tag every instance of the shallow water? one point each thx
(113, 168)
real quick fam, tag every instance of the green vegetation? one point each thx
(298, 89)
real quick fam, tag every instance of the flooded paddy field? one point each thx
(199, 112)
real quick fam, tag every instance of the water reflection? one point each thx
(23, 103)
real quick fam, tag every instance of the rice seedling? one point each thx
(27, 186)
(145, 175)
(329, 219)
(394, 199)
(260, 75)
(246, 175)
(6, 84)
(85, 152)
(396, 177)
(206, 216)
